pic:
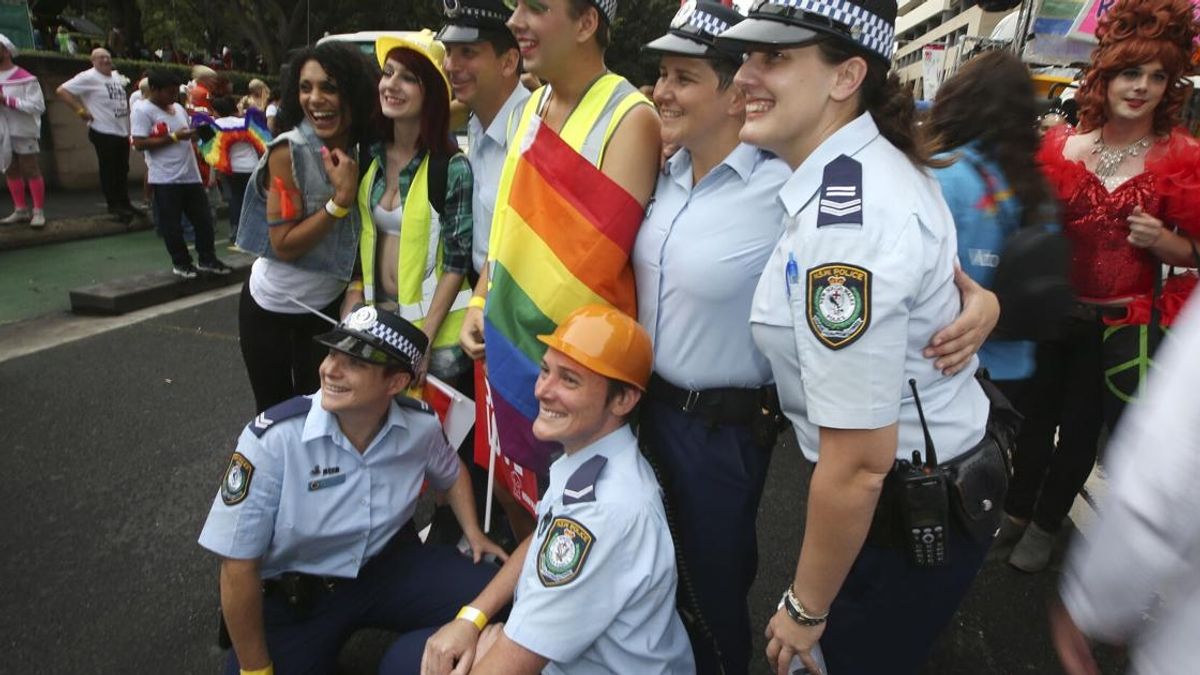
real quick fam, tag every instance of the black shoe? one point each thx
(215, 266)
(187, 271)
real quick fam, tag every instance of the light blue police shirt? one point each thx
(486, 151)
(313, 504)
(697, 260)
(866, 270)
(597, 589)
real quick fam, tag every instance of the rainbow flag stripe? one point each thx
(215, 150)
(568, 231)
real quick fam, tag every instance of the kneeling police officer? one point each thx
(313, 520)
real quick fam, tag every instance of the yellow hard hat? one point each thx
(606, 341)
(422, 42)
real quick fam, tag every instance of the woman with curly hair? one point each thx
(982, 131)
(1127, 181)
(299, 217)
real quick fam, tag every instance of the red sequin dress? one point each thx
(1104, 266)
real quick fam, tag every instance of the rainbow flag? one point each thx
(567, 231)
(215, 150)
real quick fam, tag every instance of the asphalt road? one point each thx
(115, 444)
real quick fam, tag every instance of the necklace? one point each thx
(1111, 158)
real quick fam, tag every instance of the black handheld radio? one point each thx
(925, 500)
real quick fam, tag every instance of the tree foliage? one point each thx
(273, 28)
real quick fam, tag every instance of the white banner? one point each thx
(933, 57)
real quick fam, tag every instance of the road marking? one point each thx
(34, 335)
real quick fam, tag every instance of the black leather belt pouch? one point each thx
(979, 483)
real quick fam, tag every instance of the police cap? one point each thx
(377, 337)
(470, 21)
(694, 30)
(868, 24)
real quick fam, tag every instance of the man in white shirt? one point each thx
(97, 95)
(160, 128)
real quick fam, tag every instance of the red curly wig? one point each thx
(1132, 33)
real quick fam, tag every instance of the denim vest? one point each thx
(336, 253)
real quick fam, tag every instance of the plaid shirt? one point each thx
(456, 223)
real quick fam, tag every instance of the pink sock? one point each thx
(37, 188)
(16, 188)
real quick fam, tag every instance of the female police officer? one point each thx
(313, 519)
(714, 221)
(862, 277)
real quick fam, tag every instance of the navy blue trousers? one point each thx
(888, 612)
(409, 588)
(715, 477)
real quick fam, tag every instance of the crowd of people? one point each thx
(649, 291)
(652, 291)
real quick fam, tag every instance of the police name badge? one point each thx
(236, 484)
(563, 552)
(839, 303)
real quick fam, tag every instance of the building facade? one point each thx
(947, 22)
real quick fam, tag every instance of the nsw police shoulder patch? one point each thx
(839, 303)
(563, 552)
(236, 484)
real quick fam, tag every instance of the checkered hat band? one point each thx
(608, 8)
(484, 14)
(396, 341)
(868, 29)
(707, 23)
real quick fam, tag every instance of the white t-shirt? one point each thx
(272, 110)
(168, 164)
(104, 97)
(242, 156)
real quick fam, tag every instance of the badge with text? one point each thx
(236, 484)
(563, 552)
(839, 303)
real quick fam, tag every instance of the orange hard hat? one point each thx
(606, 340)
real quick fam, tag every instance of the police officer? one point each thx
(313, 518)
(595, 583)
(484, 67)
(712, 224)
(843, 311)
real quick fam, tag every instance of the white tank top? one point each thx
(272, 282)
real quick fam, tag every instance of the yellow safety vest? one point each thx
(419, 260)
(588, 130)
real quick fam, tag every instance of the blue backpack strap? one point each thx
(414, 404)
(293, 407)
(581, 486)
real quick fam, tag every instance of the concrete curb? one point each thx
(129, 294)
(20, 235)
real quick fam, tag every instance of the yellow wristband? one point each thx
(269, 670)
(174, 138)
(356, 286)
(477, 301)
(473, 615)
(81, 111)
(332, 208)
